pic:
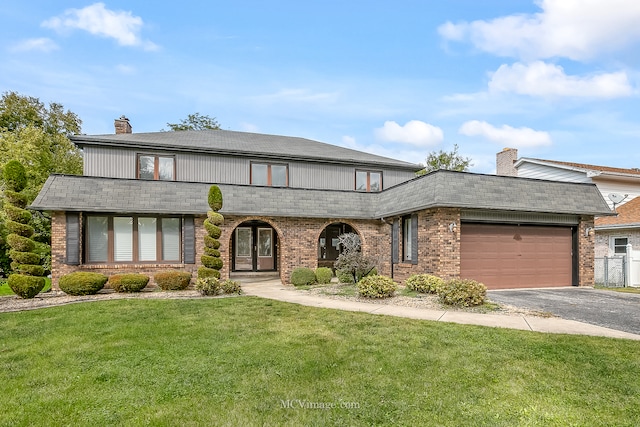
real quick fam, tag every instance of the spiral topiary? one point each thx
(211, 260)
(26, 280)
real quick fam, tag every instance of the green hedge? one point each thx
(25, 286)
(323, 275)
(132, 282)
(211, 262)
(16, 199)
(424, 283)
(210, 242)
(212, 230)
(215, 218)
(205, 272)
(17, 214)
(462, 293)
(21, 244)
(24, 257)
(376, 287)
(303, 276)
(172, 280)
(82, 283)
(214, 198)
(24, 230)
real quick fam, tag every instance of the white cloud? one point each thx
(348, 141)
(506, 135)
(576, 29)
(249, 127)
(413, 132)
(549, 80)
(100, 21)
(40, 44)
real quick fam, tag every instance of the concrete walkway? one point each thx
(274, 289)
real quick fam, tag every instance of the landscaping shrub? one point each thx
(208, 286)
(376, 287)
(344, 276)
(231, 287)
(25, 286)
(211, 260)
(323, 275)
(424, 283)
(462, 292)
(20, 244)
(28, 269)
(172, 280)
(16, 199)
(128, 282)
(303, 276)
(82, 283)
(210, 242)
(204, 272)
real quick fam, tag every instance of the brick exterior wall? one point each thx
(504, 162)
(297, 240)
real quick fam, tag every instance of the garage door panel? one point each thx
(511, 256)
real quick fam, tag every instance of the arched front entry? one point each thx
(328, 246)
(255, 247)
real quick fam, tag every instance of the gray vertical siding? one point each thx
(119, 163)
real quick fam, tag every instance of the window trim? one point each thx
(368, 172)
(135, 237)
(269, 174)
(156, 165)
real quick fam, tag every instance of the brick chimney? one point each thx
(505, 161)
(122, 125)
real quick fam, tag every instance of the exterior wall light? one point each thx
(452, 227)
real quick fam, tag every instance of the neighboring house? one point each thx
(141, 204)
(612, 233)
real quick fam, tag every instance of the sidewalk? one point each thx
(274, 289)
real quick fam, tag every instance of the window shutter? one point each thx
(414, 239)
(395, 247)
(73, 238)
(189, 236)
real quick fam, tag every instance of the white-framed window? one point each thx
(618, 245)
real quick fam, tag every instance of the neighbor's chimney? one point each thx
(505, 161)
(122, 125)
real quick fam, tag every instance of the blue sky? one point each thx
(557, 79)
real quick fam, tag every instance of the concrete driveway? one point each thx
(615, 310)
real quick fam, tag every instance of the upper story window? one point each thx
(273, 175)
(368, 181)
(155, 167)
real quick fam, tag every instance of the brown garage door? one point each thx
(511, 256)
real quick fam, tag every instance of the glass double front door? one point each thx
(254, 248)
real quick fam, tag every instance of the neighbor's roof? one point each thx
(628, 216)
(437, 189)
(583, 167)
(226, 142)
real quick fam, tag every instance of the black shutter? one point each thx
(189, 237)
(73, 238)
(414, 239)
(395, 247)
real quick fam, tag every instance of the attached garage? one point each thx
(517, 256)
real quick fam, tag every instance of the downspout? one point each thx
(391, 251)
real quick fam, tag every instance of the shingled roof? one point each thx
(587, 167)
(628, 216)
(226, 142)
(437, 189)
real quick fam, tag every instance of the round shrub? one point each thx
(212, 230)
(211, 262)
(25, 286)
(172, 280)
(17, 214)
(20, 244)
(24, 230)
(208, 286)
(24, 257)
(14, 175)
(323, 275)
(210, 242)
(82, 283)
(16, 199)
(462, 293)
(28, 269)
(303, 276)
(215, 218)
(344, 276)
(204, 272)
(231, 287)
(377, 287)
(215, 198)
(128, 282)
(424, 283)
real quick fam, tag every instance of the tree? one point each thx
(18, 112)
(211, 260)
(446, 160)
(352, 260)
(195, 122)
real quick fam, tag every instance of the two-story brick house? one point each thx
(141, 204)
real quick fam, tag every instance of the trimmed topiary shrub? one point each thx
(211, 260)
(15, 177)
(172, 280)
(302, 276)
(462, 293)
(17, 214)
(208, 286)
(25, 286)
(231, 287)
(16, 199)
(323, 275)
(376, 287)
(82, 283)
(424, 283)
(24, 257)
(132, 282)
(28, 269)
(20, 244)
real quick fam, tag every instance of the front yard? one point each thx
(251, 361)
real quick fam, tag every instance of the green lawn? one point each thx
(247, 361)
(6, 290)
